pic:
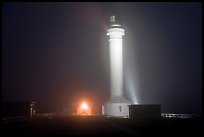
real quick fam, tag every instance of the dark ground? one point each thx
(79, 125)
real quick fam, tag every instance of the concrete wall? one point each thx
(145, 111)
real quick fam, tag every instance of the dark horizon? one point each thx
(57, 54)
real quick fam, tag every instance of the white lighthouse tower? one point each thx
(117, 105)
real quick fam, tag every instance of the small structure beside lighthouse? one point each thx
(117, 105)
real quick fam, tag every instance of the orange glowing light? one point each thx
(84, 109)
(84, 106)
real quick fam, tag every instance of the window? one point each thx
(120, 108)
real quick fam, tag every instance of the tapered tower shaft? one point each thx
(116, 61)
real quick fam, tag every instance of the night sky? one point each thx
(57, 54)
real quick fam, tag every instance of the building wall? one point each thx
(116, 109)
(145, 111)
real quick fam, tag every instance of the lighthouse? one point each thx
(117, 104)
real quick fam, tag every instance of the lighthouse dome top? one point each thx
(115, 21)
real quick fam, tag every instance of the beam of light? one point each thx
(131, 87)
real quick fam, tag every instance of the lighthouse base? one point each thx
(116, 107)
